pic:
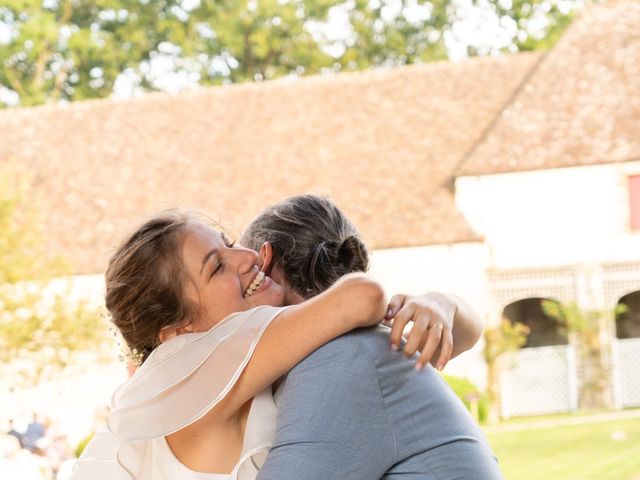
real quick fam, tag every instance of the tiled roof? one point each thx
(581, 106)
(382, 143)
(385, 144)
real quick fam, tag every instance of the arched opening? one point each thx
(540, 377)
(628, 316)
(544, 330)
(627, 351)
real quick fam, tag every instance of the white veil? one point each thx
(179, 383)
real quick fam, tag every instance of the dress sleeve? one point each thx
(179, 383)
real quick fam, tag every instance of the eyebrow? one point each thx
(206, 258)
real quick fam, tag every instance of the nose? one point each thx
(245, 258)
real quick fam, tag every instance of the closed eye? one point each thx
(217, 268)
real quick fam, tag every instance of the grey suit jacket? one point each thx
(355, 409)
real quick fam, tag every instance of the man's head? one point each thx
(312, 242)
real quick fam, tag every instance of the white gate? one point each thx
(626, 361)
(538, 381)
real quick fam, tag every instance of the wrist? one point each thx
(444, 300)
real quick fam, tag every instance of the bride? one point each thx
(213, 334)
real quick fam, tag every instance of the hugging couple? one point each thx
(279, 359)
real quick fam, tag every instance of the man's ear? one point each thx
(265, 255)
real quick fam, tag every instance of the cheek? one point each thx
(220, 302)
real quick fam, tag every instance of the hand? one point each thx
(432, 315)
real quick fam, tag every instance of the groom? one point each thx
(357, 409)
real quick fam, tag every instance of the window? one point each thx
(634, 201)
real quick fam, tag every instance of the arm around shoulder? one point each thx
(354, 301)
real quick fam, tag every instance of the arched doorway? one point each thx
(628, 316)
(544, 330)
(627, 350)
(539, 378)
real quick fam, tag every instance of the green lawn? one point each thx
(608, 450)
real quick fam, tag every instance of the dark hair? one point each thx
(313, 242)
(145, 282)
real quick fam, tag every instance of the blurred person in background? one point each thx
(19, 463)
(35, 431)
(13, 432)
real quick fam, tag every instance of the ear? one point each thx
(167, 333)
(172, 331)
(265, 255)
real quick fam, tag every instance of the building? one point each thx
(503, 179)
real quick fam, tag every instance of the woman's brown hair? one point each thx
(145, 282)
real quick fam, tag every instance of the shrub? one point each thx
(464, 389)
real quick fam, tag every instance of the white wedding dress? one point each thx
(178, 384)
(258, 437)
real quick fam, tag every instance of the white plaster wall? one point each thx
(457, 268)
(552, 217)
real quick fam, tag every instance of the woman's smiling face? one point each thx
(224, 279)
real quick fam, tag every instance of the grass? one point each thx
(604, 450)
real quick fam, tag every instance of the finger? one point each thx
(396, 303)
(435, 334)
(446, 347)
(422, 311)
(399, 322)
(417, 337)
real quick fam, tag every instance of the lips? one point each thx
(255, 284)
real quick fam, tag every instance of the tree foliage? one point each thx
(41, 327)
(53, 50)
(587, 325)
(506, 337)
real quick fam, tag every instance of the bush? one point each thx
(42, 328)
(464, 389)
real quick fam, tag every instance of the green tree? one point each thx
(75, 49)
(78, 49)
(41, 329)
(259, 40)
(528, 16)
(396, 33)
